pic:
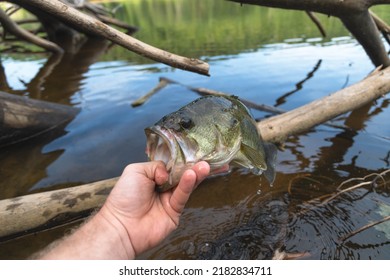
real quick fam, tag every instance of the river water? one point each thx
(268, 56)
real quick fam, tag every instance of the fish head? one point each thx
(170, 140)
(202, 130)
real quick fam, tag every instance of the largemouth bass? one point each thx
(216, 129)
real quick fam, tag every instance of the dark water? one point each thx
(268, 56)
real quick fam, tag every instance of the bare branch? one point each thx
(317, 22)
(342, 239)
(94, 26)
(353, 13)
(13, 28)
(363, 27)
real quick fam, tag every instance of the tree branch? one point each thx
(329, 7)
(10, 26)
(363, 27)
(91, 25)
(353, 13)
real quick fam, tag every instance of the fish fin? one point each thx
(270, 155)
(254, 156)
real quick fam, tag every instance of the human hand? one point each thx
(141, 214)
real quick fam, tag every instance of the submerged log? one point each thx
(37, 212)
(22, 118)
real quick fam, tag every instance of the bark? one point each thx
(22, 118)
(95, 27)
(363, 27)
(36, 212)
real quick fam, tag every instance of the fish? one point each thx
(217, 129)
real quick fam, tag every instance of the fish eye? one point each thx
(185, 123)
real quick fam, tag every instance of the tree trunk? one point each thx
(353, 13)
(22, 118)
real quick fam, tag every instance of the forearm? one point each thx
(102, 237)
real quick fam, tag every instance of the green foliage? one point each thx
(217, 27)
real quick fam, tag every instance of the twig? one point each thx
(380, 175)
(324, 199)
(12, 27)
(382, 26)
(317, 22)
(344, 191)
(161, 84)
(349, 235)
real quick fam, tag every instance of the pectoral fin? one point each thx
(255, 156)
(264, 162)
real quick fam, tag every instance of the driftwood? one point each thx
(278, 128)
(36, 212)
(22, 118)
(31, 213)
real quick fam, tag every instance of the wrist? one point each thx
(116, 233)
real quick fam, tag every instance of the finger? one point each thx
(183, 190)
(153, 170)
(202, 170)
(161, 174)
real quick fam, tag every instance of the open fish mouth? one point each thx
(161, 145)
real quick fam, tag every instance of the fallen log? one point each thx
(22, 118)
(36, 212)
(280, 127)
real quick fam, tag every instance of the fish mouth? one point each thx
(161, 145)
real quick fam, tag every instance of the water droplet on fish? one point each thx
(258, 192)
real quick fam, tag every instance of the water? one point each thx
(268, 56)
